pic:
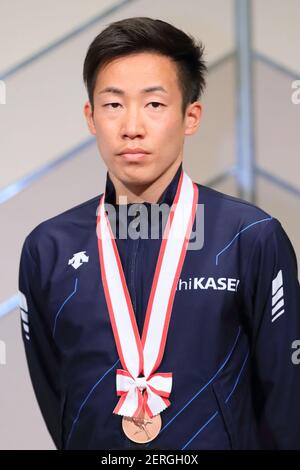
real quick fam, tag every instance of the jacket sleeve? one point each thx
(273, 296)
(41, 354)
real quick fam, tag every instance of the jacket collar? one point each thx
(166, 198)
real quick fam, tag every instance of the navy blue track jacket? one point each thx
(233, 340)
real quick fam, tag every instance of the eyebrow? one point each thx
(117, 91)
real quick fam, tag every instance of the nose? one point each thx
(132, 124)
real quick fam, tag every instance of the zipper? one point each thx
(132, 445)
(136, 243)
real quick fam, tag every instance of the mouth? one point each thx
(134, 157)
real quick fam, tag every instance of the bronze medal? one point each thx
(142, 428)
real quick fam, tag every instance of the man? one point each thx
(145, 342)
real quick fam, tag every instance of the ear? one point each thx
(87, 109)
(193, 117)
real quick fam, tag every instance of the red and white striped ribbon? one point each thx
(142, 356)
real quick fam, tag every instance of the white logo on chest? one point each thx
(221, 283)
(78, 259)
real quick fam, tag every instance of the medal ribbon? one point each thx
(144, 355)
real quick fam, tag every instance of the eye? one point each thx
(156, 102)
(110, 104)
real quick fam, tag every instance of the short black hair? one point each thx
(144, 34)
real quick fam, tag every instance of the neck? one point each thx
(144, 193)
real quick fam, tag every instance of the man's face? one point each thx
(133, 118)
